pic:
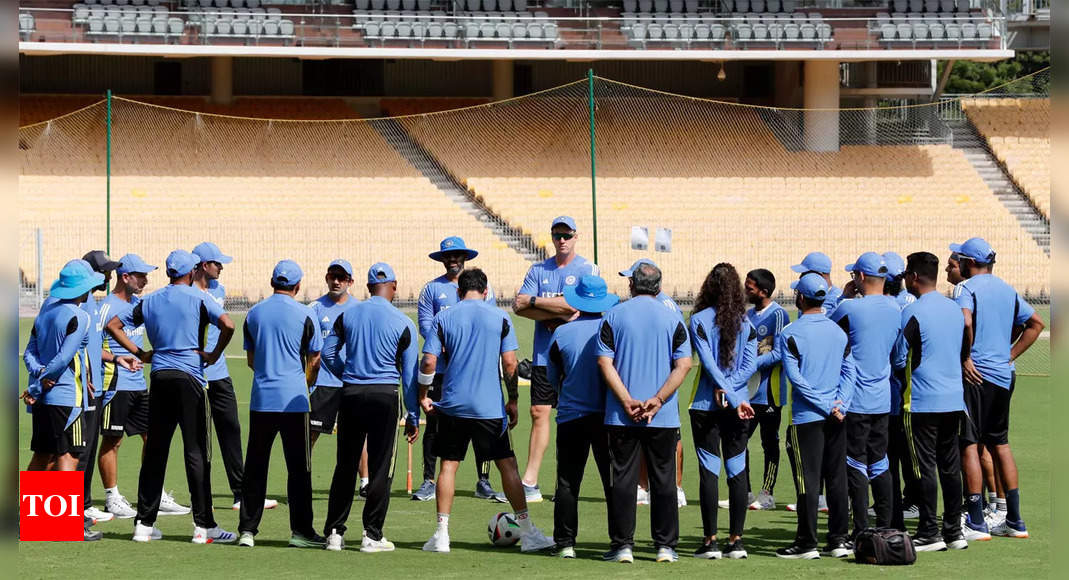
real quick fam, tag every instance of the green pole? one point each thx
(108, 179)
(593, 164)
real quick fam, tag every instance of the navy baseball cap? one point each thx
(814, 262)
(99, 261)
(896, 266)
(631, 271)
(563, 221)
(132, 263)
(286, 273)
(812, 286)
(976, 249)
(180, 262)
(869, 264)
(591, 294)
(75, 279)
(343, 264)
(380, 273)
(452, 244)
(209, 252)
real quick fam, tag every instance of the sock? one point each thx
(1013, 505)
(991, 498)
(1000, 504)
(972, 505)
(363, 481)
(443, 522)
(111, 491)
(524, 520)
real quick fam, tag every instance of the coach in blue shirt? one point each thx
(644, 355)
(327, 308)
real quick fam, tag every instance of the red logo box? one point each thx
(50, 506)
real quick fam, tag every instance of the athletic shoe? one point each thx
(535, 540)
(116, 504)
(362, 494)
(91, 535)
(500, 497)
(735, 550)
(666, 554)
(871, 512)
(822, 505)
(533, 493)
(483, 490)
(269, 504)
(335, 543)
(372, 546)
(911, 512)
(726, 503)
(792, 507)
(214, 535)
(146, 533)
(839, 549)
(425, 491)
(795, 552)
(764, 501)
(439, 542)
(619, 555)
(567, 552)
(1010, 529)
(931, 544)
(246, 540)
(974, 532)
(708, 551)
(958, 543)
(303, 541)
(169, 507)
(643, 497)
(98, 515)
(681, 496)
(994, 518)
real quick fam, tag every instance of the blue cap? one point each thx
(896, 266)
(387, 275)
(976, 249)
(869, 264)
(286, 273)
(209, 252)
(814, 262)
(630, 271)
(180, 263)
(452, 244)
(563, 221)
(76, 278)
(132, 263)
(343, 264)
(591, 294)
(812, 286)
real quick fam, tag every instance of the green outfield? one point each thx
(410, 523)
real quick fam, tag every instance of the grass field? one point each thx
(410, 523)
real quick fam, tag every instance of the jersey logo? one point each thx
(442, 296)
(545, 280)
(762, 330)
(326, 319)
(570, 280)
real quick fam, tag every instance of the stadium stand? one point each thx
(415, 106)
(1018, 133)
(38, 108)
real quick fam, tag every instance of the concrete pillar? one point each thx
(821, 91)
(222, 80)
(871, 82)
(503, 74)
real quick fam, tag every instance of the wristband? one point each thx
(426, 379)
(531, 302)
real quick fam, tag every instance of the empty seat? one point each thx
(424, 5)
(882, 18)
(887, 32)
(128, 25)
(409, 5)
(222, 26)
(936, 31)
(96, 24)
(691, 5)
(434, 29)
(916, 5)
(964, 6)
(675, 5)
(901, 5)
(968, 31)
(255, 27)
(743, 32)
(824, 31)
(486, 30)
(946, 5)
(809, 31)
(660, 5)
(788, 5)
(920, 31)
(490, 5)
(655, 31)
(702, 32)
(757, 5)
(535, 30)
(144, 25)
(504, 5)
(671, 31)
(953, 31)
(371, 29)
(905, 31)
(791, 31)
(393, 4)
(742, 5)
(449, 30)
(274, 14)
(760, 32)
(984, 31)
(271, 27)
(404, 29)
(645, 5)
(519, 5)
(240, 27)
(388, 29)
(503, 30)
(551, 31)
(630, 5)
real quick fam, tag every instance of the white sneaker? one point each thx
(822, 504)
(911, 512)
(959, 544)
(117, 505)
(643, 497)
(169, 507)
(98, 515)
(726, 503)
(146, 533)
(246, 540)
(534, 540)
(335, 542)
(214, 535)
(764, 501)
(269, 504)
(439, 542)
(369, 545)
(681, 496)
(567, 553)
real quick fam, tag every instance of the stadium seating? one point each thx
(940, 23)
(501, 23)
(1018, 133)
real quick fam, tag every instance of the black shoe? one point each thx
(957, 542)
(929, 544)
(708, 551)
(524, 369)
(796, 552)
(91, 535)
(363, 492)
(839, 549)
(735, 550)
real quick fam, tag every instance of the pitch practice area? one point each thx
(410, 523)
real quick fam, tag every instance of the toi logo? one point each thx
(50, 506)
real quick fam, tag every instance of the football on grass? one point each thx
(503, 529)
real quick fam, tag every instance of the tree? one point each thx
(974, 77)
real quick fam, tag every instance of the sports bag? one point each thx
(884, 547)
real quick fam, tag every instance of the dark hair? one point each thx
(284, 287)
(925, 265)
(893, 286)
(473, 279)
(722, 290)
(647, 280)
(764, 280)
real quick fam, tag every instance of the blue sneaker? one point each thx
(1010, 529)
(426, 492)
(533, 493)
(974, 532)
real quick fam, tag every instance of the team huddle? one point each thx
(892, 390)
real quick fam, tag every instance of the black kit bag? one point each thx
(884, 547)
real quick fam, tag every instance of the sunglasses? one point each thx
(558, 237)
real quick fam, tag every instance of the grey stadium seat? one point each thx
(372, 29)
(551, 31)
(772, 5)
(404, 29)
(702, 32)
(486, 30)
(760, 32)
(920, 31)
(675, 5)
(144, 25)
(791, 31)
(953, 31)
(222, 26)
(519, 5)
(271, 28)
(655, 32)
(824, 31)
(984, 31)
(256, 27)
(964, 6)
(240, 27)
(809, 31)
(717, 32)
(388, 29)
(743, 32)
(519, 30)
(686, 31)
(757, 5)
(968, 31)
(692, 6)
(671, 31)
(946, 6)
(490, 5)
(423, 5)
(535, 30)
(936, 31)
(905, 31)
(434, 30)
(503, 30)
(660, 6)
(409, 5)
(645, 5)
(887, 32)
(742, 5)
(449, 30)
(285, 27)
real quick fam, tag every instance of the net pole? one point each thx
(107, 181)
(40, 268)
(593, 165)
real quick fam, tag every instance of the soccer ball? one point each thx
(503, 530)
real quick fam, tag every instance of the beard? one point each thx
(454, 269)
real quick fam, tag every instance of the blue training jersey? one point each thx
(280, 333)
(871, 323)
(766, 386)
(471, 335)
(546, 280)
(572, 369)
(175, 318)
(436, 296)
(996, 309)
(56, 350)
(714, 376)
(94, 348)
(929, 350)
(219, 370)
(816, 359)
(903, 299)
(327, 312)
(643, 342)
(117, 378)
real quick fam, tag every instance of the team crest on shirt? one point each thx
(762, 329)
(570, 280)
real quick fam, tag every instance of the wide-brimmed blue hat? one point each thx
(453, 244)
(591, 294)
(76, 278)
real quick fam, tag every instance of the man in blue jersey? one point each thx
(571, 367)
(437, 295)
(473, 336)
(328, 307)
(644, 355)
(929, 351)
(381, 348)
(871, 322)
(1000, 326)
(175, 317)
(767, 389)
(282, 346)
(541, 299)
(820, 263)
(817, 361)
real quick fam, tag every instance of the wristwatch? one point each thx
(531, 302)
